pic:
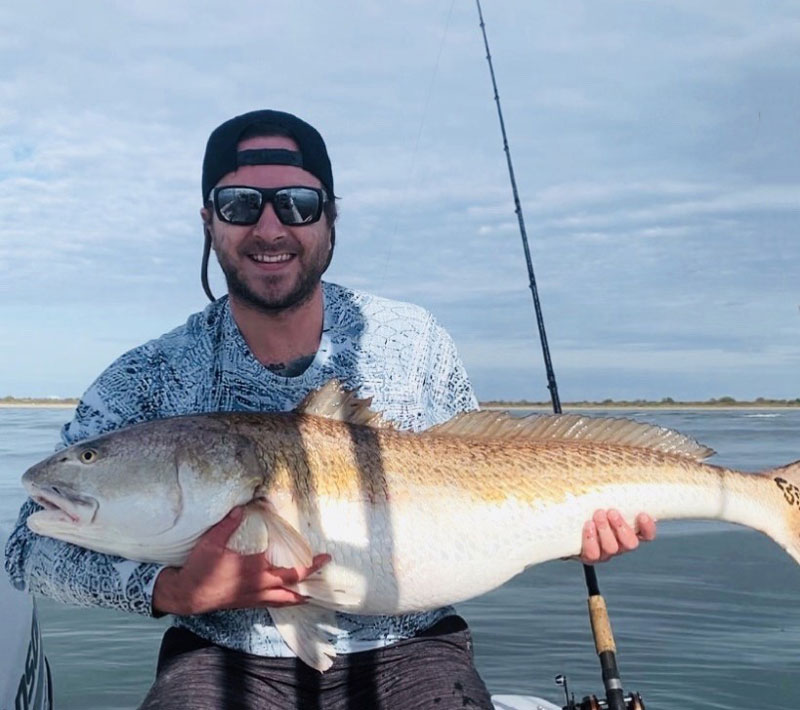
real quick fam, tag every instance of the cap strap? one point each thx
(270, 156)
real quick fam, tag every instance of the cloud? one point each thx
(654, 146)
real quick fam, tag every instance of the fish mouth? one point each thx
(62, 504)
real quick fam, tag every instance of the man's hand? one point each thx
(214, 577)
(607, 534)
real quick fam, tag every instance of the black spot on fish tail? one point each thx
(791, 492)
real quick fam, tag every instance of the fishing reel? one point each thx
(632, 701)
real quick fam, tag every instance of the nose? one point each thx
(268, 225)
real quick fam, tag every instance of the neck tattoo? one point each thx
(293, 368)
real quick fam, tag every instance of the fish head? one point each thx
(146, 492)
(98, 489)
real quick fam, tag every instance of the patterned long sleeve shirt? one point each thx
(394, 352)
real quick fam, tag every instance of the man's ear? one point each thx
(208, 226)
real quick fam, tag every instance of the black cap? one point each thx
(221, 156)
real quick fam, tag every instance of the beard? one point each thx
(296, 296)
(273, 296)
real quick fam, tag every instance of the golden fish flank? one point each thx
(356, 462)
(412, 521)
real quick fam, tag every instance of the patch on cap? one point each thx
(269, 156)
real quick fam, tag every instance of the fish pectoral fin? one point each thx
(318, 588)
(300, 628)
(286, 546)
(252, 535)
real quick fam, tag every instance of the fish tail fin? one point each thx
(787, 486)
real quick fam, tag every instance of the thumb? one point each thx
(220, 533)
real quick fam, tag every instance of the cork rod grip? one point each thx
(601, 627)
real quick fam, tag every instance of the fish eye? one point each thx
(88, 456)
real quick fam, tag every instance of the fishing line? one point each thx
(601, 627)
(387, 258)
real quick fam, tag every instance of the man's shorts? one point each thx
(432, 671)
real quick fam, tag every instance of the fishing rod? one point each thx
(598, 613)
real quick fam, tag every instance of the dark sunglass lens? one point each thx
(239, 205)
(297, 205)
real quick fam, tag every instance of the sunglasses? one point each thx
(240, 204)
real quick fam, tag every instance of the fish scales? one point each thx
(357, 462)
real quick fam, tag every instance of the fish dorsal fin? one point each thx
(333, 401)
(501, 426)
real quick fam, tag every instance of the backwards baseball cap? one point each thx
(222, 156)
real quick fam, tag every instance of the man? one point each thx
(269, 215)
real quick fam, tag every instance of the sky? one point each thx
(655, 146)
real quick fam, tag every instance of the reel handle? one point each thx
(633, 701)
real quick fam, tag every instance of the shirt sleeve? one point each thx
(447, 389)
(63, 571)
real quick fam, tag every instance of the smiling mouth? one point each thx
(271, 258)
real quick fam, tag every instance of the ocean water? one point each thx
(706, 617)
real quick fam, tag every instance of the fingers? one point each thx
(319, 561)
(600, 541)
(258, 578)
(645, 527)
(249, 581)
(626, 538)
(277, 597)
(590, 548)
(609, 544)
(275, 576)
(252, 598)
(267, 586)
(608, 534)
(214, 577)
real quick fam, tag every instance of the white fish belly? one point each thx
(414, 555)
(418, 555)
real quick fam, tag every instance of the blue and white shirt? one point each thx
(394, 352)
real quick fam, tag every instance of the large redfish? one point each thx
(411, 521)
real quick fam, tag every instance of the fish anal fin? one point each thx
(500, 426)
(333, 401)
(300, 626)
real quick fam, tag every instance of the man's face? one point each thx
(268, 265)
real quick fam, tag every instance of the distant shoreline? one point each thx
(725, 404)
(35, 403)
(676, 407)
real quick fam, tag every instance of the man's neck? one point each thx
(278, 340)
